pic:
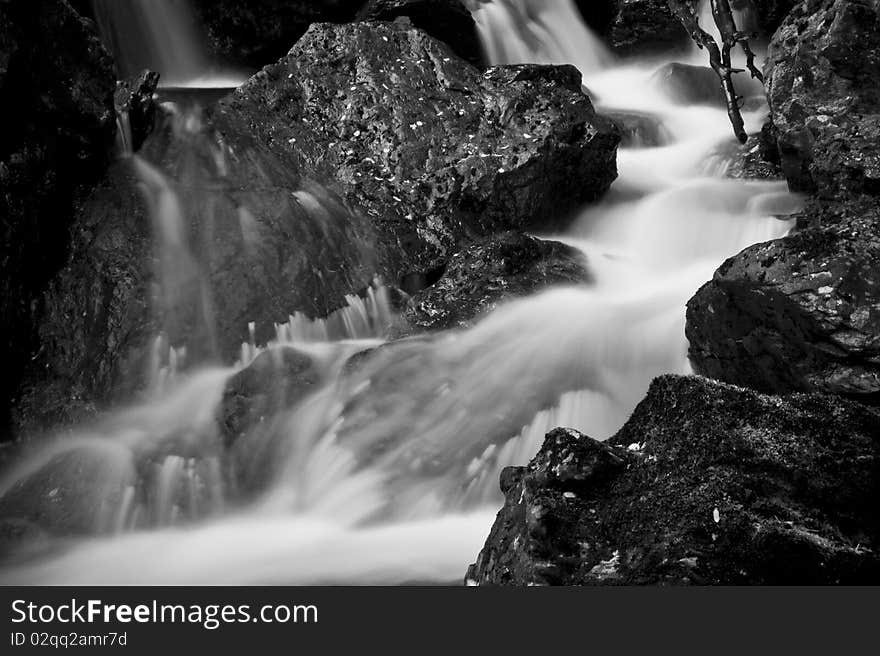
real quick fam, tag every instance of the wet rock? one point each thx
(639, 130)
(755, 159)
(276, 380)
(134, 104)
(489, 272)
(425, 145)
(58, 127)
(689, 85)
(258, 32)
(643, 27)
(823, 86)
(800, 313)
(92, 311)
(253, 241)
(69, 494)
(706, 484)
(446, 20)
(764, 16)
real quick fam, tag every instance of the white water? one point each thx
(390, 474)
(163, 36)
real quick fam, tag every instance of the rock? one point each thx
(251, 241)
(706, 484)
(764, 16)
(135, 107)
(823, 86)
(276, 380)
(489, 272)
(687, 84)
(801, 313)
(639, 130)
(643, 27)
(92, 311)
(259, 32)
(422, 142)
(58, 128)
(446, 20)
(755, 159)
(66, 495)
(256, 413)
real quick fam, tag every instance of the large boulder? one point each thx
(706, 484)
(800, 313)
(276, 380)
(92, 310)
(57, 83)
(423, 143)
(823, 85)
(177, 250)
(489, 272)
(258, 32)
(446, 20)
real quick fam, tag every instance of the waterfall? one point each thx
(549, 31)
(163, 36)
(387, 472)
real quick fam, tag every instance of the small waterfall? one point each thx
(160, 35)
(362, 319)
(542, 31)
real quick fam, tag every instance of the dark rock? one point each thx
(764, 16)
(135, 107)
(706, 484)
(66, 495)
(642, 27)
(639, 130)
(699, 85)
(258, 32)
(751, 160)
(58, 127)
(801, 313)
(599, 15)
(489, 272)
(92, 311)
(257, 242)
(823, 85)
(275, 381)
(446, 20)
(689, 85)
(424, 144)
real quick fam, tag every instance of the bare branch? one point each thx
(720, 55)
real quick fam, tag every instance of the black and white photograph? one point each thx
(439, 293)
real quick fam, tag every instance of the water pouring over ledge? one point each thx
(163, 36)
(390, 474)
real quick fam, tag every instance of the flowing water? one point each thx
(163, 36)
(388, 473)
